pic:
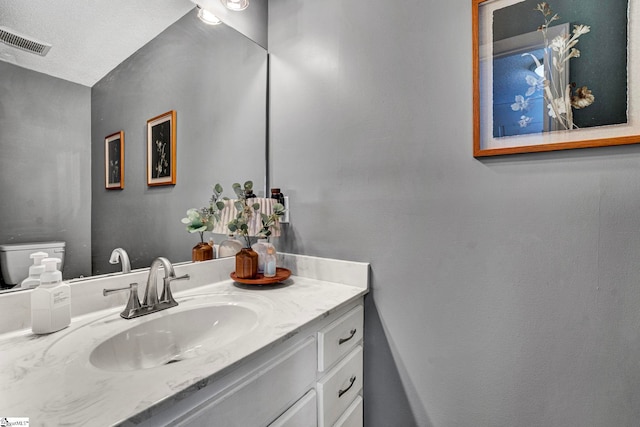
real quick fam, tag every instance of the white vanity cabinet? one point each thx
(340, 356)
(353, 416)
(313, 378)
(286, 356)
(303, 413)
(262, 394)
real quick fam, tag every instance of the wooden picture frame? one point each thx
(161, 149)
(580, 88)
(114, 161)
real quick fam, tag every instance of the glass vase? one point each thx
(246, 264)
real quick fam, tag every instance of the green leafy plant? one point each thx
(204, 219)
(240, 224)
(269, 222)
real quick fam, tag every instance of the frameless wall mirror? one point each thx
(112, 66)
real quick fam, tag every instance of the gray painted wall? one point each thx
(504, 291)
(45, 129)
(215, 79)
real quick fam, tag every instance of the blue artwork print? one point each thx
(518, 101)
(532, 90)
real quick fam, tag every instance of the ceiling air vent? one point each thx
(12, 38)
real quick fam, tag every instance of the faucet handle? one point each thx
(166, 289)
(133, 304)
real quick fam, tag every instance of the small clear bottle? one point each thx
(261, 249)
(213, 246)
(270, 262)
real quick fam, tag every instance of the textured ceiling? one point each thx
(89, 37)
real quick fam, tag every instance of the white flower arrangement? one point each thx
(560, 99)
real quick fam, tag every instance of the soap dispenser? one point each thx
(51, 301)
(35, 270)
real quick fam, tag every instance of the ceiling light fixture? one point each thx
(235, 5)
(207, 17)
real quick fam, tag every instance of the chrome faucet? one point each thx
(151, 293)
(150, 303)
(121, 256)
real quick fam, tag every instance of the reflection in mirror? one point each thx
(52, 136)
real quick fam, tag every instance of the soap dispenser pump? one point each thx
(51, 301)
(35, 270)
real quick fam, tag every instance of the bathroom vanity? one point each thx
(228, 355)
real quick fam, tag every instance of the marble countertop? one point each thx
(50, 380)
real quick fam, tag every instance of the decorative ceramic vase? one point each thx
(202, 252)
(246, 264)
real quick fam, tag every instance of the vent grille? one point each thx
(12, 38)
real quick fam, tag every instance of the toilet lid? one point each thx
(30, 246)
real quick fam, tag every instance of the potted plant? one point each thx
(204, 219)
(266, 251)
(247, 258)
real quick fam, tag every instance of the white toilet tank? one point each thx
(15, 261)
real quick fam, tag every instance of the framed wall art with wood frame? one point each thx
(114, 161)
(161, 149)
(555, 75)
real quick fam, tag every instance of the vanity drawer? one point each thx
(339, 337)
(338, 389)
(353, 416)
(303, 413)
(260, 395)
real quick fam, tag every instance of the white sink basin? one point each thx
(199, 325)
(174, 337)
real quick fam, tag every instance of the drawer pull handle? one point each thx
(344, 340)
(351, 381)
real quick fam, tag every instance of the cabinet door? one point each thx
(339, 388)
(262, 395)
(303, 413)
(353, 416)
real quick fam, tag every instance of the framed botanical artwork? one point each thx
(161, 149)
(554, 75)
(114, 161)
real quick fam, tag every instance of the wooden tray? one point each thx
(281, 274)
